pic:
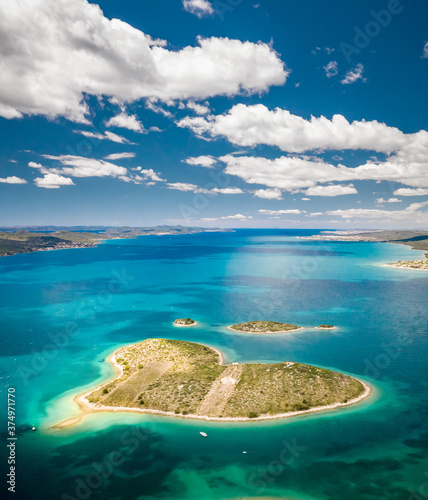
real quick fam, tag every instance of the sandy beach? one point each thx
(397, 266)
(185, 326)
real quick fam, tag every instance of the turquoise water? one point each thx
(91, 301)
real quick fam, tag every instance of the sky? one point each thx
(234, 113)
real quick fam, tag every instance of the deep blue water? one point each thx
(91, 301)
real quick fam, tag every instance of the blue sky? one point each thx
(223, 113)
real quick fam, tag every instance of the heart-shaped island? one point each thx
(186, 379)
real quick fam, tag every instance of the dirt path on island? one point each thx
(215, 401)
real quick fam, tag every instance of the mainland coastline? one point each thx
(417, 240)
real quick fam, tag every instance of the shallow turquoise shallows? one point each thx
(63, 312)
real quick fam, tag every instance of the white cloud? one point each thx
(411, 192)
(155, 129)
(147, 174)
(408, 214)
(331, 190)
(182, 186)
(53, 181)
(390, 200)
(109, 136)
(353, 75)
(293, 173)
(237, 216)
(331, 69)
(407, 154)
(268, 194)
(425, 51)
(252, 125)
(122, 120)
(79, 166)
(39, 166)
(119, 156)
(280, 212)
(200, 8)
(68, 49)
(199, 109)
(201, 161)
(228, 190)
(12, 180)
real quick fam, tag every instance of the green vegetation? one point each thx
(326, 327)
(184, 322)
(264, 327)
(185, 378)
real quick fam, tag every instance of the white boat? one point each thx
(33, 428)
(203, 434)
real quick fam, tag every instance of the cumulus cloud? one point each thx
(411, 192)
(286, 173)
(12, 180)
(280, 212)
(293, 173)
(252, 125)
(353, 75)
(53, 181)
(268, 194)
(119, 156)
(122, 120)
(80, 166)
(331, 190)
(200, 8)
(331, 69)
(115, 60)
(201, 161)
(407, 154)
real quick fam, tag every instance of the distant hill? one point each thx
(37, 238)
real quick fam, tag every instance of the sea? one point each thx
(63, 312)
